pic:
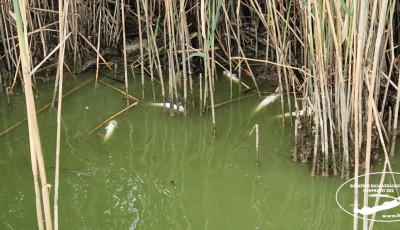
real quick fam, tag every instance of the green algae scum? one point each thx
(161, 172)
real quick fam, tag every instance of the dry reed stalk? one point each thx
(296, 124)
(35, 172)
(15, 76)
(238, 25)
(63, 10)
(184, 53)
(113, 116)
(371, 226)
(4, 43)
(242, 56)
(233, 100)
(156, 50)
(212, 106)
(321, 72)
(207, 69)
(141, 44)
(171, 71)
(200, 95)
(120, 91)
(146, 10)
(124, 42)
(255, 127)
(392, 60)
(228, 35)
(98, 53)
(370, 98)
(74, 28)
(302, 71)
(340, 84)
(174, 61)
(316, 137)
(188, 37)
(34, 137)
(49, 55)
(276, 37)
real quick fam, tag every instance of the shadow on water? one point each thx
(162, 172)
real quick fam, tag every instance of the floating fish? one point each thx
(230, 76)
(268, 100)
(301, 113)
(167, 105)
(110, 129)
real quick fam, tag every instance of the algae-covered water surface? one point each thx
(161, 172)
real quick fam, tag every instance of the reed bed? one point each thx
(340, 60)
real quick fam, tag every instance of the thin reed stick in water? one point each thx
(124, 41)
(120, 91)
(200, 96)
(63, 9)
(255, 127)
(141, 44)
(147, 10)
(98, 48)
(112, 117)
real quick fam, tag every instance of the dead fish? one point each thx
(110, 129)
(167, 105)
(230, 76)
(301, 112)
(268, 100)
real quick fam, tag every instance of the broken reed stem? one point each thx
(120, 91)
(302, 71)
(233, 100)
(255, 127)
(113, 116)
(96, 50)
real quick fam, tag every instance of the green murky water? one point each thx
(162, 172)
